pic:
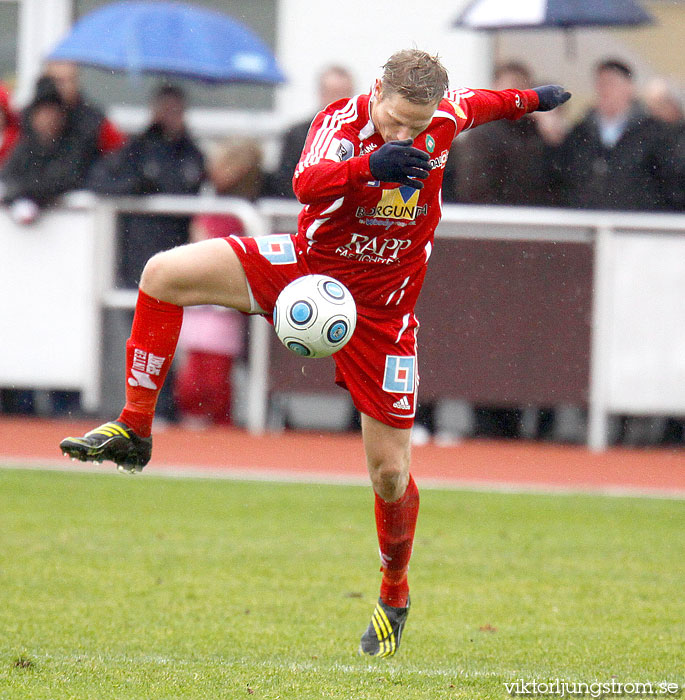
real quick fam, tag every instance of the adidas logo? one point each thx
(402, 404)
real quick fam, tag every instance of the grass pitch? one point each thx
(148, 587)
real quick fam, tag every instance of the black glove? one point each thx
(397, 161)
(551, 96)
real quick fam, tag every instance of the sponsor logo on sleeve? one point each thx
(340, 149)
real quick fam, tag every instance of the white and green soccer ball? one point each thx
(315, 316)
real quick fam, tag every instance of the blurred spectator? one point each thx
(47, 160)
(82, 117)
(505, 162)
(59, 147)
(212, 336)
(617, 156)
(663, 103)
(9, 125)
(164, 159)
(509, 163)
(335, 83)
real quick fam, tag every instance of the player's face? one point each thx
(396, 119)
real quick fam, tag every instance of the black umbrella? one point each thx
(540, 14)
(493, 15)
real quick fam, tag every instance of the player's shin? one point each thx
(396, 523)
(149, 352)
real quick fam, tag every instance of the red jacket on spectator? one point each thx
(10, 133)
(109, 137)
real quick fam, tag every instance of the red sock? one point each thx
(149, 351)
(395, 523)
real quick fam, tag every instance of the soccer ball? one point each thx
(315, 316)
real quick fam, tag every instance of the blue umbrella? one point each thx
(169, 38)
(541, 14)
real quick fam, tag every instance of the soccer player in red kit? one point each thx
(370, 177)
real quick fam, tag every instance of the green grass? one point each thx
(147, 587)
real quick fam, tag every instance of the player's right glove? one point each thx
(551, 96)
(398, 161)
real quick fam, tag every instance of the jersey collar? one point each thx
(369, 129)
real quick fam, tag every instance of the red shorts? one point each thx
(378, 366)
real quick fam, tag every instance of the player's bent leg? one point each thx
(396, 511)
(208, 272)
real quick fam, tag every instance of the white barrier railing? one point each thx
(637, 348)
(631, 370)
(254, 225)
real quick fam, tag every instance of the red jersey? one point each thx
(377, 237)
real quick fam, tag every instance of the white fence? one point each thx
(56, 281)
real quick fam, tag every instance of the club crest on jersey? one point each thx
(430, 143)
(401, 204)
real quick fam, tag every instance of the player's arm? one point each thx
(475, 107)
(328, 168)
(326, 180)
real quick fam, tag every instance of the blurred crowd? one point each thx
(627, 152)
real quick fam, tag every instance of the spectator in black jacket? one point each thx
(164, 159)
(665, 105)
(82, 116)
(618, 156)
(504, 162)
(663, 102)
(335, 83)
(47, 161)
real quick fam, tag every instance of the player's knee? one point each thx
(390, 479)
(159, 278)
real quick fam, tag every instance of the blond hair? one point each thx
(415, 75)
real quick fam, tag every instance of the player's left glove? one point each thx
(400, 162)
(551, 96)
